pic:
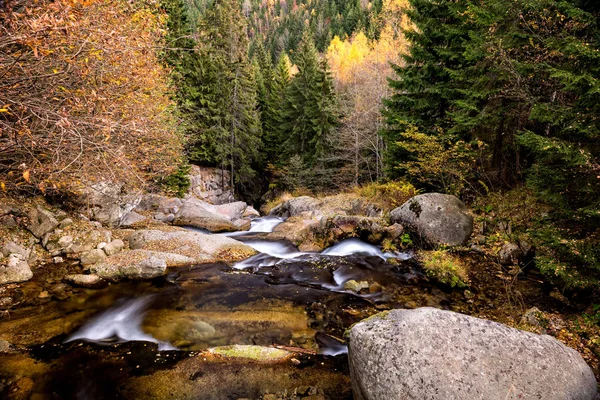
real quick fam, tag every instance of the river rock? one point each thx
(192, 213)
(11, 247)
(16, 270)
(106, 202)
(231, 211)
(439, 219)
(131, 265)
(200, 247)
(65, 223)
(433, 354)
(86, 281)
(92, 257)
(295, 206)
(131, 219)
(41, 222)
(114, 247)
(250, 212)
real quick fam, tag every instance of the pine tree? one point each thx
(310, 113)
(273, 115)
(424, 89)
(225, 95)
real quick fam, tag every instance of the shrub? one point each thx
(388, 195)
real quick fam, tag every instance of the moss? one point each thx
(258, 353)
(381, 315)
(445, 268)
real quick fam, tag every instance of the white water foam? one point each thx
(259, 225)
(273, 252)
(355, 246)
(123, 322)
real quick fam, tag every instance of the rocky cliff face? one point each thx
(212, 185)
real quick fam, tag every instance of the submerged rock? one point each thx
(439, 219)
(87, 281)
(432, 354)
(252, 352)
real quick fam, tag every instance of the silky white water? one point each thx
(123, 322)
(258, 225)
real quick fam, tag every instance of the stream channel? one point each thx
(150, 339)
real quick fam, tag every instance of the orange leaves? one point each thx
(96, 98)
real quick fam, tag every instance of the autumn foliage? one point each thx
(83, 96)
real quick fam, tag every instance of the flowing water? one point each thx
(141, 333)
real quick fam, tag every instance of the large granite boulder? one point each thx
(131, 265)
(439, 219)
(200, 247)
(193, 213)
(428, 353)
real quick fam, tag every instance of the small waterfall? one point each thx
(258, 225)
(122, 322)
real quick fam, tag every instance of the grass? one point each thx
(445, 268)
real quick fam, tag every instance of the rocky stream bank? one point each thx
(147, 296)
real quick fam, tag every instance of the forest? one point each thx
(329, 95)
(320, 121)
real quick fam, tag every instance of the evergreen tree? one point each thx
(424, 89)
(309, 116)
(225, 94)
(273, 115)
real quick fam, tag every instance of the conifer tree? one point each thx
(226, 94)
(310, 115)
(273, 116)
(424, 89)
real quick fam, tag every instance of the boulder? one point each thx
(199, 247)
(131, 265)
(439, 219)
(428, 353)
(114, 247)
(41, 222)
(231, 211)
(131, 219)
(296, 230)
(510, 254)
(295, 206)
(159, 204)
(192, 213)
(250, 212)
(16, 270)
(106, 202)
(92, 257)
(12, 248)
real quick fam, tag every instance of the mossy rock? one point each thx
(252, 352)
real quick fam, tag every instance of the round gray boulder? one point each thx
(439, 219)
(428, 353)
